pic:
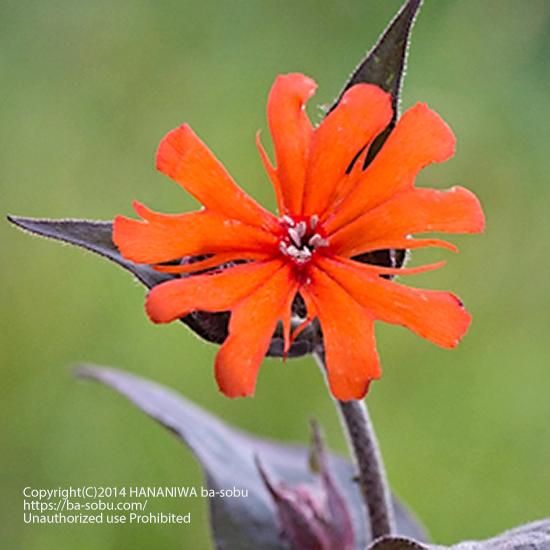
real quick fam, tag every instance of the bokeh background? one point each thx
(88, 90)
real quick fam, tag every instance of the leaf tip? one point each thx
(18, 221)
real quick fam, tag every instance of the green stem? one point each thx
(372, 478)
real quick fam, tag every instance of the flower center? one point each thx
(301, 239)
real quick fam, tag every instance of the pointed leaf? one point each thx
(227, 456)
(91, 235)
(385, 63)
(96, 236)
(532, 536)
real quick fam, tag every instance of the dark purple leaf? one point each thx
(95, 236)
(228, 458)
(384, 65)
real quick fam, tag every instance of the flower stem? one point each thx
(372, 477)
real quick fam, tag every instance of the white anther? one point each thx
(292, 251)
(288, 220)
(283, 248)
(295, 236)
(317, 241)
(299, 255)
(301, 229)
(313, 221)
(303, 256)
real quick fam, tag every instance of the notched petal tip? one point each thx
(460, 209)
(351, 392)
(156, 307)
(350, 388)
(433, 132)
(172, 148)
(446, 322)
(232, 383)
(296, 85)
(460, 322)
(290, 90)
(474, 217)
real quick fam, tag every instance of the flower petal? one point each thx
(348, 336)
(183, 157)
(209, 292)
(435, 315)
(363, 112)
(291, 131)
(420, 138)
(162, 237)
(456, 210)
(253, 322)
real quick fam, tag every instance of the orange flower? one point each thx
(328, 214)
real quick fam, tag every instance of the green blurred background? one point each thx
(89, 88)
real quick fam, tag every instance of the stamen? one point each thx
(288, 220)
(317, 241)
(295, 236)
(314, 220)
(301, 229)
(292, 251)
(298, 255)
